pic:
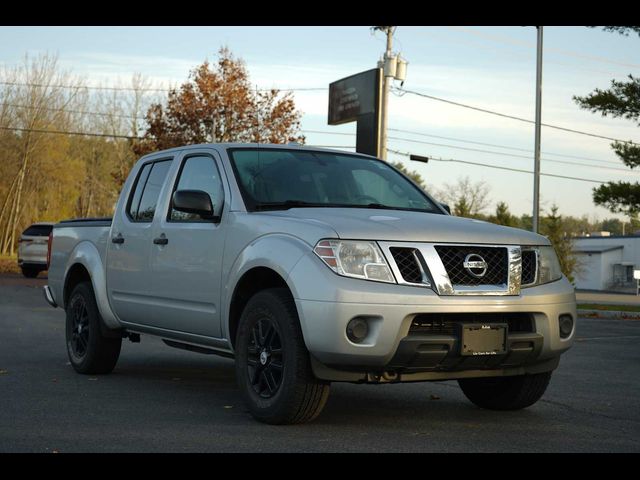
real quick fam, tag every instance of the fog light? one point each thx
(357, 330)
(566, 325)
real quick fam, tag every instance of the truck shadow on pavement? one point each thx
(198, 384)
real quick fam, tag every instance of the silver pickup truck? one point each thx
(309, 267)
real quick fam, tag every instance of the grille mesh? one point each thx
(528, 267)
(405, 259)
(447, 323)
(497, 264)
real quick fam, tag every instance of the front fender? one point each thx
(278, 252)
(86, 254)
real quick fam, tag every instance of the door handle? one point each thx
(161, 240)
(117, 239)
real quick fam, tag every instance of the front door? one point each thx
(129, 248)
(186, 259)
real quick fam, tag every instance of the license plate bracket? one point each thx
(483, 339)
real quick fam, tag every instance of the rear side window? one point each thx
(38, 230)
(145, 195)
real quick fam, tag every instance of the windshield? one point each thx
(273, 179)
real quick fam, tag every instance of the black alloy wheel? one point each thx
(265, 358)
(273, 365)
(91, 346)
(79, 334)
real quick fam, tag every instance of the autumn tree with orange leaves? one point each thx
(219, 104)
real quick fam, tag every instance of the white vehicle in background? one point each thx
(32, 249)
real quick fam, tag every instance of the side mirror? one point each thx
(194, 201)
(446, 207)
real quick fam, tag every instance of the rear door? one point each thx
(128, 276)
(186, 265)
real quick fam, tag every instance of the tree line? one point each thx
(66, 147)
(50, 170)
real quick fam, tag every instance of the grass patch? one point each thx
(617, 308)
(9, 264)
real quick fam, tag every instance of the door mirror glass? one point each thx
(195, 202)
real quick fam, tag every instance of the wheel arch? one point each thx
(263, 264)
(85, 264)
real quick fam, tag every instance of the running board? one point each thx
(196, 349)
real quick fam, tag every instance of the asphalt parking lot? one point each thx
(159, 399)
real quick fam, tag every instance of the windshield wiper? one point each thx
(288, 204)
(389, 207)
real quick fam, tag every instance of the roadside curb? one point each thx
(609, 314)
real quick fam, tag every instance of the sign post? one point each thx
(357, 99)
(636, 275)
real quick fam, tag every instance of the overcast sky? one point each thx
(487, 67)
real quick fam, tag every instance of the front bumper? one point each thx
(328, 304)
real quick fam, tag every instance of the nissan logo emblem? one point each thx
(475, 265)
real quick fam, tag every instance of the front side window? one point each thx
(199, 173)
(276, 179)
(145, 196)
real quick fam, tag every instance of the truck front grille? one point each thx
(528, 267)
(453, 258)
(408, 264)
(447, 323)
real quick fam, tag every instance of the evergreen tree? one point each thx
(462, 208)
(553, 229)
(622, 100)
(503, 216)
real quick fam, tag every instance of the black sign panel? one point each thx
(354, 96)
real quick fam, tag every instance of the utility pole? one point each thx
(536, 169)
(388, 74)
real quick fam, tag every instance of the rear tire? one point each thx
(91, 349)
(505, 393)
(30, 272)
(273, 367)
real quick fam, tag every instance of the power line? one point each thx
(86, 87)
(521, 43)
(62, 110)
(395, 89)
(128, 137)
(510, 52)
(527, 157)
(511, 155)
(438, 159)
(512, 117)
(499, 146)
(132, 89)
(61, 132)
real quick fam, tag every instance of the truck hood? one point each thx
(407, 226)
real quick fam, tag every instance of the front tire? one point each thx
(273, 368)
(505, 393)
(90, 350)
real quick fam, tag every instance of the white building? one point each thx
(607, 262)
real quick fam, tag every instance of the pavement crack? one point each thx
(588, 412)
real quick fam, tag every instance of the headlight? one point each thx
(548, 265)
(356, 259)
